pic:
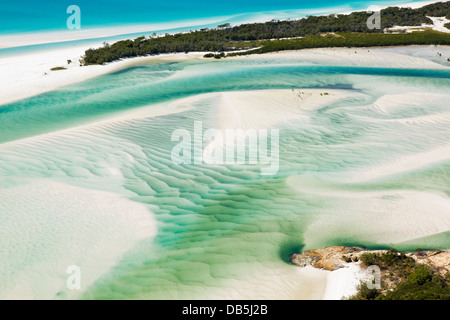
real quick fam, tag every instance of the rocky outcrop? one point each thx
(333, 258)
(394, 268)
(329, 258)
(440, 260)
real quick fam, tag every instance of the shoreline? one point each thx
(33, 70)
(343, 277)
(125, 31)
(91, 151)
(340, 282)
(93, 33)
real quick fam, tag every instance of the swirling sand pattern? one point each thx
(87, 169)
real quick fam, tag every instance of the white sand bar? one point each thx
(26, 75)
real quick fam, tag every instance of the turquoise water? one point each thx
(155, 83)
(30, 16)
(220, 226)
(161, 17)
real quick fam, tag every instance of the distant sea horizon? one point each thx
(50, 16)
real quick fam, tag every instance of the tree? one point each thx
(422, 275)
(224, 26)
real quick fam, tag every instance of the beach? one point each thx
(237, 111)
(34, 69)
(88, 178)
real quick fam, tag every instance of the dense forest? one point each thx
(350, 30)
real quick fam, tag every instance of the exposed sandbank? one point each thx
(30, 74)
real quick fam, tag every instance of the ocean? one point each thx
(110, 21)
(48, 15)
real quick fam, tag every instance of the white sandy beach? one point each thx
(27, 75)
(29, 69)
(271, 280)
(73, 233)
(378, 57)
(238, 110)
(30, 74)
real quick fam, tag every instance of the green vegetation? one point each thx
(349, 30)
(392, 258)
(225, 25)
(216, 56)
(348, 39)
(423, 284)
(58, 68)
(364, 293)
(403, 279)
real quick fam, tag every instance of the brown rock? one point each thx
(329, 258)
